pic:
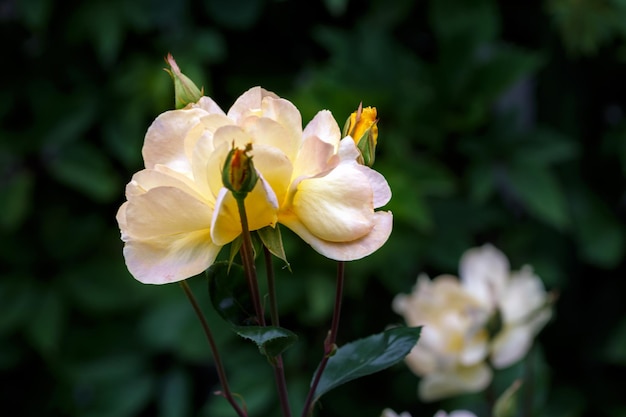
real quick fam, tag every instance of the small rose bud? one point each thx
(362, 127)
(184, 89)
(238, 174)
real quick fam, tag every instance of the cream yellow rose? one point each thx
(490, 315)
(450, 355)
(178, 214)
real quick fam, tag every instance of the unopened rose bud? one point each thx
(362, 127)
(184, 89)
(238, 174)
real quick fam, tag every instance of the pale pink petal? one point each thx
(165, 139)
(437, 386)
(484, 272)
(162, 176)
(336, 207)
(208, 105)
(350, 250)
(510, 345)
(270, 133)
(324, 126)
(288, 116)
(165, 211)
(276, 168)
(379, 185)
(316, 157)
(170, 258)
(249, 104)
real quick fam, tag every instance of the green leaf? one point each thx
(270, 340)
(229, 293)
(83, 167)
(541, 194)
(175, 398)
(47, 324)
(367, 356)
(273, 241)
(506, 404)
(16, 195)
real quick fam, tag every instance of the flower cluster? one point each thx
(179, 214)
(458, 413)
(489, 316)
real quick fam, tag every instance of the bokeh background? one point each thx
(499, 123)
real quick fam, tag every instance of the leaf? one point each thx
(540, 193)
(367, 356)
(229, 293)
(270, 340)
(506, 404)
(273, 241)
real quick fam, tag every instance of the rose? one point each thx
(178, 214)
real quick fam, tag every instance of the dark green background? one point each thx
(498, 123)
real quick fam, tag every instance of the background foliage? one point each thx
(499, 123)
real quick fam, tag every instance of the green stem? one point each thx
(247, 259)
(279, 370)
(329, 343)
(216, 356)
(271, 287)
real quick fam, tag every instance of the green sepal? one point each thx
(271, 340)
(273, 241)
(367, 356)
(185, 90)
(367, 146)
(229, 294)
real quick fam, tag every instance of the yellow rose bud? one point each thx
(362, 127)
(184, 89)
(238, 174)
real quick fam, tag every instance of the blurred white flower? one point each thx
(387, 412)
(457, 413)
(490, 316)
(517, 299)
(450, 355)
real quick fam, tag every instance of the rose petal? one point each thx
(484, 272)
(336, 207)
(165, 211)
(324, 126)
(165, 139)
(170, 258)
(346, 251)
(207, 104)
(270, 133)
(459, 381)
(249, 104)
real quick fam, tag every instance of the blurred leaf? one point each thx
(18, 299)
(16, 199)
(35, 13)
(547, 146)
(540, 193)
(270, 340)
(102, 286)
(367, 356)
(235, 14)
(229, 292)
(175, 400)
(336, 7)
(477, 20)
(86, 169)
(47, 323)
(600, 234)
(162, 325)
(500, 67)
